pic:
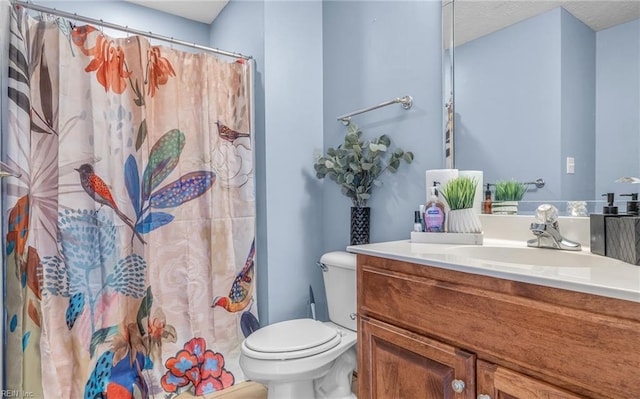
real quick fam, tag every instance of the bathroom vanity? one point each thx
(434, 324)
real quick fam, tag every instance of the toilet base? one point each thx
(290, 390)
(336, 384)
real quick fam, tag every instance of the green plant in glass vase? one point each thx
(355, 166)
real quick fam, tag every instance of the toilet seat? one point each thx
(291, 339)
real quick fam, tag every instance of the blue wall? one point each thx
(293, 129)
(375, 51)
(508, 104)
(578, 105)
(617, 121)
(546, 89)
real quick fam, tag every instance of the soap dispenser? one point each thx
(632, 206)
(609, 209)
(623, 233)
(434, 214)
(598, 225)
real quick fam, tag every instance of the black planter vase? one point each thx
(360, 218)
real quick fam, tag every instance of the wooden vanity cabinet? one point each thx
(432, 333)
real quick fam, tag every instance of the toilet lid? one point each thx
(292, 339)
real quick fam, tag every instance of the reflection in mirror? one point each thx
(447, 83)
(548, 89)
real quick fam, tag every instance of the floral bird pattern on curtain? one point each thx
(133, 215)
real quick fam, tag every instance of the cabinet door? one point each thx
(496, 382)
(397, 364)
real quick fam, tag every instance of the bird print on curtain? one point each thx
(229, 134)
(99, 191)
(118, 221)
(241, 295)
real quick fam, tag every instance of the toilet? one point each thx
(306, 358)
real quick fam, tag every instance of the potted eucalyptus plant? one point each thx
(355, 166)
(459, 194)
(508, 194)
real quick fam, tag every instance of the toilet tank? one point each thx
(339, 273)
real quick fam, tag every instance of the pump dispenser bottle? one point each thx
(434, 214)
(598, 226)
(620, 232)
(609, 209)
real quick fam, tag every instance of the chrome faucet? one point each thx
(547, 231)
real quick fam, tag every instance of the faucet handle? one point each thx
(547, 213)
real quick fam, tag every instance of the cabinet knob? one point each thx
(353, 316)
(484, 396)
(457, 385)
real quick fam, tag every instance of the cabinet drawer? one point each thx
(498, 382)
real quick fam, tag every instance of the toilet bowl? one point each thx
(306, 358)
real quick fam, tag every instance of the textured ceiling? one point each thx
(204, 11)
(475, 18)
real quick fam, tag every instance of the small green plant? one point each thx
(460, 192)
(356, 164)
(509, 190)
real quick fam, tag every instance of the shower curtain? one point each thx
(129, 259)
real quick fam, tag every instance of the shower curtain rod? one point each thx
(99, 22)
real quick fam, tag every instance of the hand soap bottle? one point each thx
(434, 214)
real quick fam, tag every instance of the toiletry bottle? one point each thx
(486, 204)
(609, 209)
(422, 208)
(598, 226)
(434, 216)
(417, 224)
(632, 206)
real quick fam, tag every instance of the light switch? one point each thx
(571, 165)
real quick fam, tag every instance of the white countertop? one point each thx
(611, 278)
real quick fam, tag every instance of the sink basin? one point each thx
(532, 256)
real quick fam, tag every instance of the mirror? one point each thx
(546, 89)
